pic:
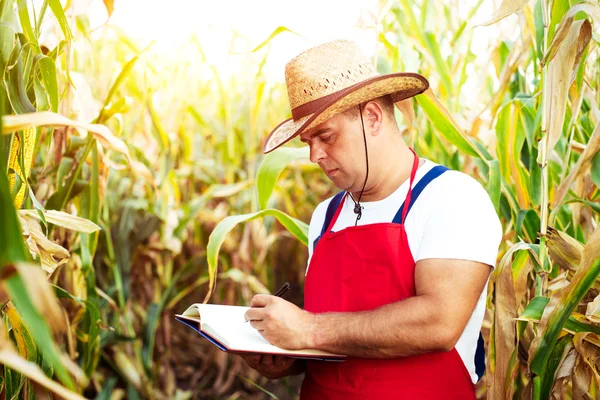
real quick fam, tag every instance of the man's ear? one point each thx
(373, 117)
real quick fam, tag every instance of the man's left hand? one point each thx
(280, 322)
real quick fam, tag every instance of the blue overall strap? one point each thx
(416, 191)
(331, 209)
(480, 357)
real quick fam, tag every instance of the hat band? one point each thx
(312, 106)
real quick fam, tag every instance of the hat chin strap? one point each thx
(357, 207)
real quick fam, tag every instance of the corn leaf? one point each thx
(26, 21)
(33, 372)
(110, 6)
(563, 304)
(297, 228)
(506, 8)
(515, 123)
(12, 123)
(582, 165)
(595, 170)
(559, 81)
(61, 218)
(59, 13)
(442, 121)
(279, 30)
(271, 167)
(591, 9)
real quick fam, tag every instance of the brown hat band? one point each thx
(312, 106)
(315, 105)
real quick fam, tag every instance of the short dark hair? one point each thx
(385, 102)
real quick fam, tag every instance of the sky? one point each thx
(214, 23)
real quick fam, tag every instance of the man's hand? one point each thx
(280, 322)
(270, 366)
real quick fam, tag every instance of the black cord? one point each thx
(357, 207)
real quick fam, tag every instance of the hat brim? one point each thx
(401, 85)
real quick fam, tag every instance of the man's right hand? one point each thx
(272, 366)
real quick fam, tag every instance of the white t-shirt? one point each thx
(452, 218)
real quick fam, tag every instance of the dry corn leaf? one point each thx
(585, 366)
(505, 313)
(32, 371)
(13, 123)
(407, 110)
(591, 9)
(128, 369)
(559, 80)
(583, 164)
(35, 231)
(41, 294)
(506, 8)
(61, 218)
(592, 311)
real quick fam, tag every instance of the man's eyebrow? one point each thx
(317, 133)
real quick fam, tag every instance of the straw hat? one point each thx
(329, 79)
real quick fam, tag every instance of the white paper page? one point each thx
(226, 323)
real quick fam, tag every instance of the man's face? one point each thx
(337, 145)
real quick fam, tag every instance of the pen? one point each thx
(282, 290)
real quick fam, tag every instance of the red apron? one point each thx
(362, 268)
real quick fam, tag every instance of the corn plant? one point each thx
(541, 168)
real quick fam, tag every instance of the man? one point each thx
(398, 261)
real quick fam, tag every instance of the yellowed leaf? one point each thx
(42, 294)
(505, 313)
(407, 110)
(128, 369)
(110, 6)
(63, 219)
(32, 371)
(564, 250)
(13, 123)
(558, 80)
(585, 366)
(506, 8)
(591, 9)
(592, 311)
(581, 167)
(35, 230)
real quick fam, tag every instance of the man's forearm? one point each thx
(413, 326)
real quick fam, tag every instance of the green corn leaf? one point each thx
(494, 183)
(279, 30)
(26, 21)
(90, 209)
(515, 123)
(441, 64)
(271, 167)
(535, 310)
(297, 228)
(569, 298)
(59, 13)
(595, 170)
(12, 250)
(115, 86)
(439, 117)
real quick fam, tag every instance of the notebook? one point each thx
(225, 327)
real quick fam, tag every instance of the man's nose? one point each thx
(316, 153)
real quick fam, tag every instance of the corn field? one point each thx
(125, 196)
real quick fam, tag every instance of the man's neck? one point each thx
(387, 176)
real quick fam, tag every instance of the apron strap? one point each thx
(412, 179)
(436, 171)
(331, 211)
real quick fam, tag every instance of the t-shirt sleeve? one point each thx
(461, 223)
(314, 228)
